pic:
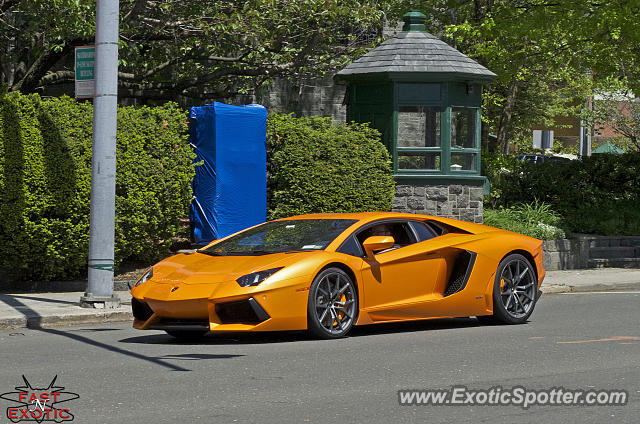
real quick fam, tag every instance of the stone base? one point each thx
(458, 201)
(99, 302)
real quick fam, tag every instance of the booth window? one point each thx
(419, 145)
(464, 139)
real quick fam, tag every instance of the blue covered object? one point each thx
(230, 186)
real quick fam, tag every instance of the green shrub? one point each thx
(599, 194)
(45, 181)
(498, 168)
(315, 165)
(534, 219)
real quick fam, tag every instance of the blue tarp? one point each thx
(230, 186)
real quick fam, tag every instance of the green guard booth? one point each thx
(425, 98)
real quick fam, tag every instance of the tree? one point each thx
(186, 48)
(544, 52)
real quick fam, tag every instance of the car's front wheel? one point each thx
(514, 291)
(332, 309)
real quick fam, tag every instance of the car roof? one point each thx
(365, 217)
(360, 216)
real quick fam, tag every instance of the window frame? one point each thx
(437, 149)
(468, 150)
(407, 221)
(450, 96)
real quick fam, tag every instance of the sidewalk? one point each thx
(588, 280)
(34, 310)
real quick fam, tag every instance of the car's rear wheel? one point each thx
(514, 291)
(187, 334)
(332, 309)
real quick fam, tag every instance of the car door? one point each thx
(399, 282)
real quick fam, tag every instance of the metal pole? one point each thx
(581, 138)
(585, 132)
(589, 131)
(103, 164)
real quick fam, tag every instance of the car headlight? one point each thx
(256, 278)
(145, 277)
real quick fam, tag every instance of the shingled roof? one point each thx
(416, 51)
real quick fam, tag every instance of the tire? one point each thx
(514, 291)
(187, 334)
(332, 309)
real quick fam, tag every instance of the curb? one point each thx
(564, 288)
(35, 322)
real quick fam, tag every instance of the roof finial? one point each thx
(414, 21)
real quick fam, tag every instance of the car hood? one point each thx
(199, 268)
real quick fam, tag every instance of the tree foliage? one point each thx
(548, 55)
(188, 48)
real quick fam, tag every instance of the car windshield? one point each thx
(281, 236)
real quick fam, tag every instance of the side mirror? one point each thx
(374, 243)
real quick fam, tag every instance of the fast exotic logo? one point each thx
(39, 404)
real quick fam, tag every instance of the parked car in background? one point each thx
(542, 158)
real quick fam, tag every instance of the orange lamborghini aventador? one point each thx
(329, 272)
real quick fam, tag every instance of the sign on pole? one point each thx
(542, 139)
(85, 71)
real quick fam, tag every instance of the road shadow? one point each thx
(196, 356)
(422, 326)
(37, 299)
(34, 321)
(426, 325)
(221, 339)
(158, 360)
(94, 330)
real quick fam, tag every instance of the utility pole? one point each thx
(584, 149)
(585, 133)
(99, 292)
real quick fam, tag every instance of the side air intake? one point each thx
(461, 271)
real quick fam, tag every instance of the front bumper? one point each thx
(249, 309)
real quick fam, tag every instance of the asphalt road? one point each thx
(125, 375)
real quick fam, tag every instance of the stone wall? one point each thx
(565, 254)
(591, 251)
(308, 97)
(456, 201)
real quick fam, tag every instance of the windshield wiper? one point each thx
(253, 252)
(206, 252)
(245, 253)
(262, 252)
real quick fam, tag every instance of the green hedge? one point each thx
(45, 181)
(599, 194)
(315, 165)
